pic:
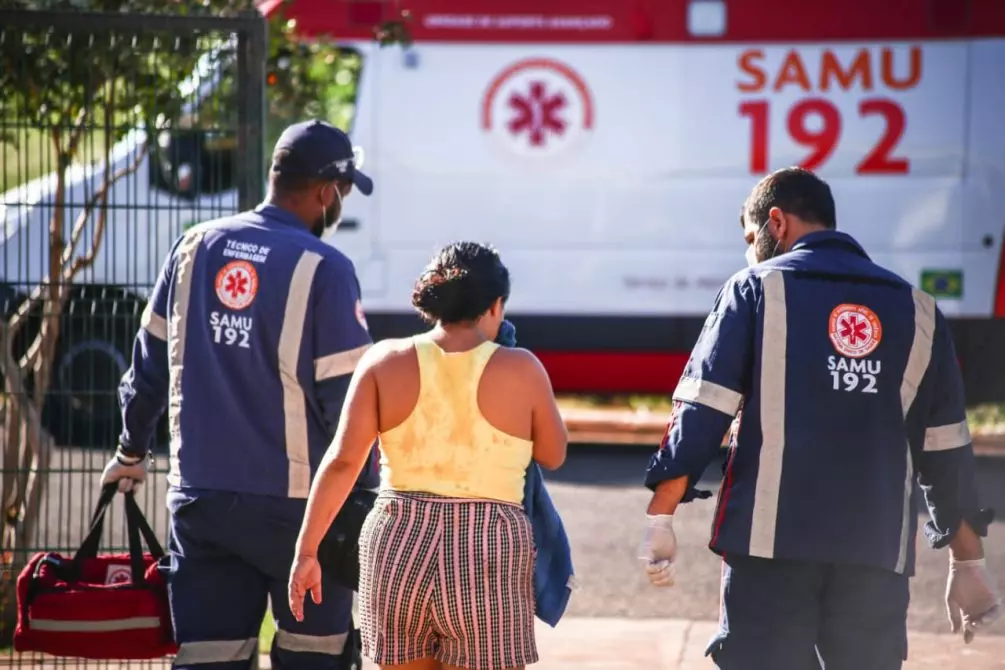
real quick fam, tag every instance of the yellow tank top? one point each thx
(446, 446)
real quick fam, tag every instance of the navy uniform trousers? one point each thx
(230, 553)
(794, 615)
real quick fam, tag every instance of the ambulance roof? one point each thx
(649, 21)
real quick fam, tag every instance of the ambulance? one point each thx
(606, 147)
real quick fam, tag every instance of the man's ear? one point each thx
(321, 193)
(780, 221)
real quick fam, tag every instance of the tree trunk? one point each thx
(27, 448)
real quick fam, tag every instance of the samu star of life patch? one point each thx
(855, 330)
(237, 285)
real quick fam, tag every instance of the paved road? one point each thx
(602, 502)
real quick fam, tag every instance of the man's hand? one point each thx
(972, 599)
(659, 547)
(128, 471)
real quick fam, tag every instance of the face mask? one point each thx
(338, 217)
(767, 251)
(323, 224)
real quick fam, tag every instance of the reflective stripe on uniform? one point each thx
(336, 365)
(215, 651)
(154, 323)
(944, 438)
(772, 398)
(188, 249)
(917, 364)
(317, 644)
(708, 394)
(294, 404)
(94, 626)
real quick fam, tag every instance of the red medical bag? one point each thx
(110, 607)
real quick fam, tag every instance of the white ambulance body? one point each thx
(605, 147)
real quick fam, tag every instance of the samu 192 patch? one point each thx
(237, 285)
(854, 330)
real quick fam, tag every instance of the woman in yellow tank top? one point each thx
(446, 555)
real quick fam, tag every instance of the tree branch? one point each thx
(81, 262)
(36, 441)
(77, 133)
(11, 427)
(35, 298)
(85, 261)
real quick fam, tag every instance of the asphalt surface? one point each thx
(599, 494)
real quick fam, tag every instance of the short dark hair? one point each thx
(796, 191)
(460, 283)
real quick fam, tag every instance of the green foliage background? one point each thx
(57, 84)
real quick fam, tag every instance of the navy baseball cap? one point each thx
(319, 150)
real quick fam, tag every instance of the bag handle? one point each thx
(137, 528)
(89, 547)
(137, 523)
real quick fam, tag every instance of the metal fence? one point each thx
(117, 132)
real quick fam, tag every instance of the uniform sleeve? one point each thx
(143, 391)
(945, 462)
(340, 335)
(710, 391)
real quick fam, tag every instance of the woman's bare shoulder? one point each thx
(386, 351)
(521, 361)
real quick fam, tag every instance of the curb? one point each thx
(628, 427)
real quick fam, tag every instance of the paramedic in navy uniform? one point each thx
(850, 391)
(250, 338)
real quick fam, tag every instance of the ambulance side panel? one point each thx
(631, 207)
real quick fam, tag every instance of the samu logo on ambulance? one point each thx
(855, 331)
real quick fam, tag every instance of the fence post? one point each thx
(252, 52)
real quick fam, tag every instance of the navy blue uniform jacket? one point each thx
(249, 339)
(850, 392)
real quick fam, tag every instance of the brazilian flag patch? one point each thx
(942, 283)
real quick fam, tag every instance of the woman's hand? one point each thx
(305, 575)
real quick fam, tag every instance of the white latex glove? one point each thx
(972, 599)
(658, 549)
(128, 471)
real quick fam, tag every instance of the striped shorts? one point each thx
(447, 578)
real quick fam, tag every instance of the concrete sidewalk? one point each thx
(669, 644)
(627, 644)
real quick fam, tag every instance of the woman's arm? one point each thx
(548, 430)
(344, 459)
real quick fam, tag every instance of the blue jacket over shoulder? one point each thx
(553, 573)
